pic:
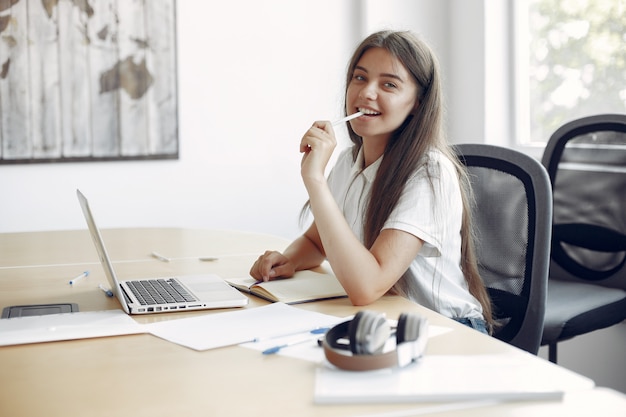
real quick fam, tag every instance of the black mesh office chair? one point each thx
(586, 161)
(512, 217)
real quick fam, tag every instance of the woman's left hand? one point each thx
(317, 146)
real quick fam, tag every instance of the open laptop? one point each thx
(162, 294)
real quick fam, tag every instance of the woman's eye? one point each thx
(390, 85)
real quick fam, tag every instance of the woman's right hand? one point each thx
(317, 146)
(272, 265)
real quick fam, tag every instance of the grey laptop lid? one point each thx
(209, 290)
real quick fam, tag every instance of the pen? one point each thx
(276, 349)
(208, 258)
(78, 278)
(109, 293)
(317, 330)
(347, 118)
(160, 257)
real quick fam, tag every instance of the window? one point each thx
(571, 62)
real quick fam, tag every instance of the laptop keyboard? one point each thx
(159, 291)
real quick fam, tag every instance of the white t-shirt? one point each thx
(432, 212)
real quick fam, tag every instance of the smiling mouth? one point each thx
(368, 112)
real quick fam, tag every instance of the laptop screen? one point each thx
(102, 252)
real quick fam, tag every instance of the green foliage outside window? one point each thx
(577, 61)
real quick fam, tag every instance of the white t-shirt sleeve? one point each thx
(430, 208)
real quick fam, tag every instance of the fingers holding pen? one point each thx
(317, 146)
(321, 133)
(319, 136)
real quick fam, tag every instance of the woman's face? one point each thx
(383, 89)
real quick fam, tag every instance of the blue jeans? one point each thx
(474, 323)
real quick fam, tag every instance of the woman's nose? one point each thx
(368, 92)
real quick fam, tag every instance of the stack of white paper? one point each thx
(450, 378)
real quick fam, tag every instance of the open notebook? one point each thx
(303, 287)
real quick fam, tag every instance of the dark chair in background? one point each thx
(586, 162)
(512, 219)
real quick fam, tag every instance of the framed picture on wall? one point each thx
(88, 80)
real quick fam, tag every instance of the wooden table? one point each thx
(141, 375)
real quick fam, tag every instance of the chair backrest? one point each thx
(512, 217)
(586, 161)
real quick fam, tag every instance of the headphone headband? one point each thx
(406, 351)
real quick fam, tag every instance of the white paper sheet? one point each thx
(310, 350)
(67, 326)
(445, 378)
(235, 327)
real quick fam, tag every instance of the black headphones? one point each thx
(367, 333)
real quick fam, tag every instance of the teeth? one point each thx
(368, 111)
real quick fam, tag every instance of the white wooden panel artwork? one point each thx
(87, 80)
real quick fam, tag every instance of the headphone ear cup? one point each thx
(368, 332)
(408, 328)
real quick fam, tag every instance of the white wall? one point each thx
(252, 77)
(598, 355)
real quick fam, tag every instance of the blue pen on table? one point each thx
(78, 278)
(108, 292)
(276, 349)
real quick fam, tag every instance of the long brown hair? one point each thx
(421, 132)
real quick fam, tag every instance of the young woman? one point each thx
(393, 215)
